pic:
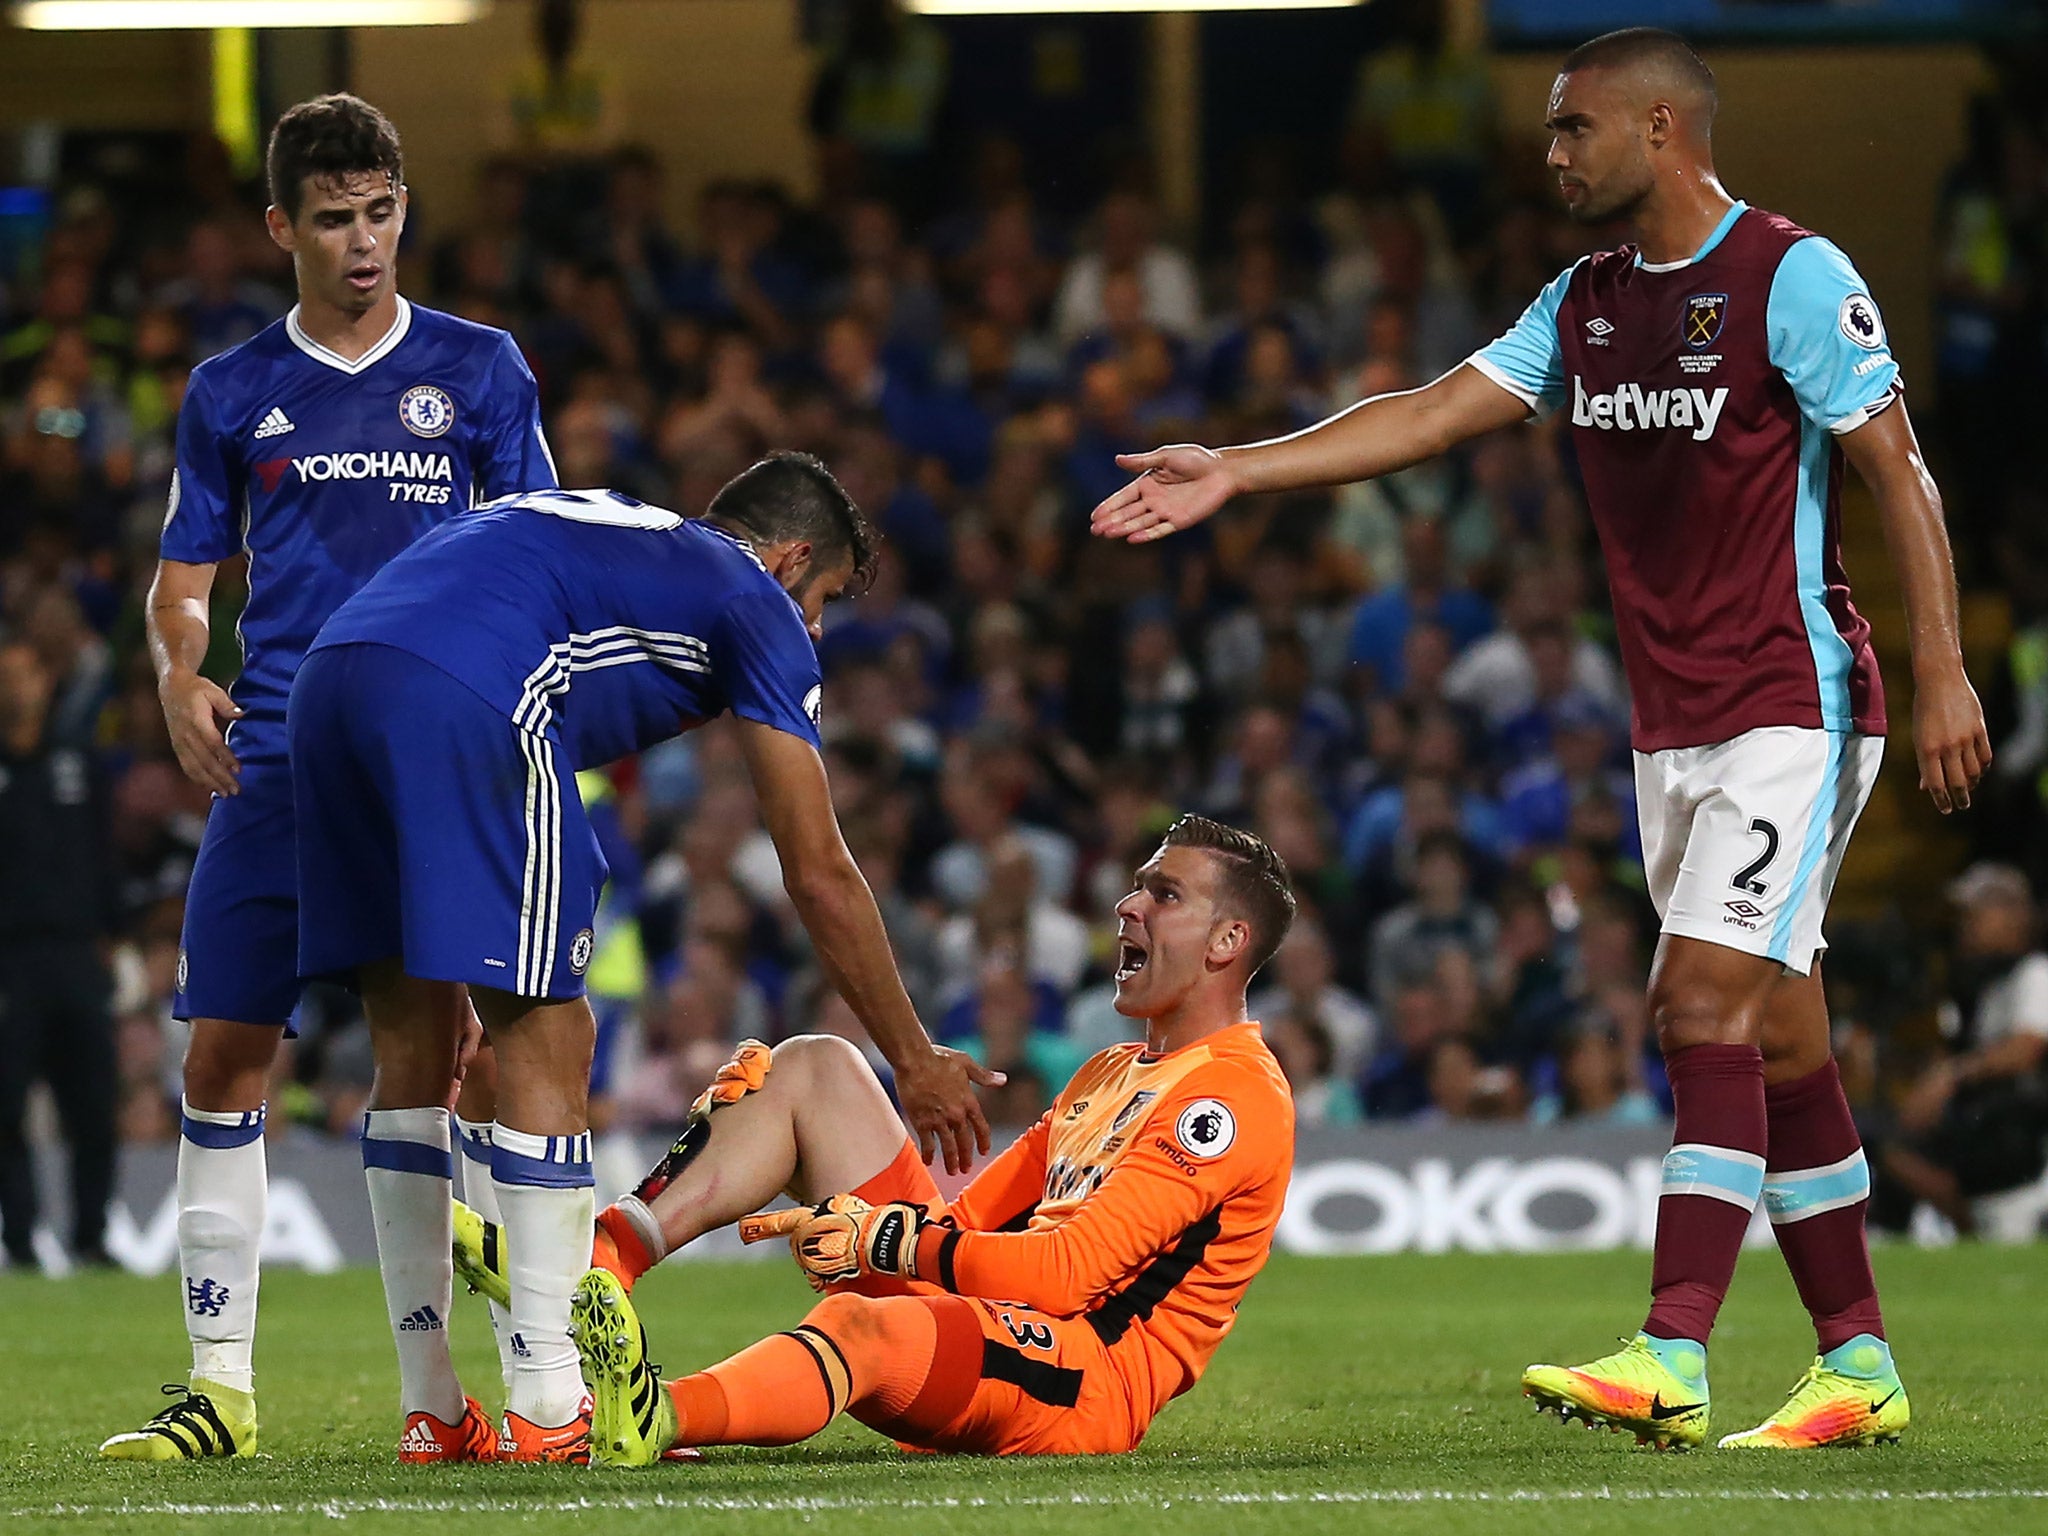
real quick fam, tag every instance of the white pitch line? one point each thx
(342, 1509)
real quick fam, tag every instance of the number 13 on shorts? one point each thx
(1742, 839)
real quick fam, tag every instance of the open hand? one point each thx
(1176, 488)
(937, 1095)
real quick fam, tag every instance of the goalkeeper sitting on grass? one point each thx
(1081, 1282)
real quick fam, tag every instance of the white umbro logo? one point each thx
(1599, 325)
(276, 424)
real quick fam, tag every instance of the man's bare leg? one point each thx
(820, 1124)
(817, 1124)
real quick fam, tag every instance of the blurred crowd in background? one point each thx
(1407, 687)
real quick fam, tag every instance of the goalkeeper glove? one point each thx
(844, 1238)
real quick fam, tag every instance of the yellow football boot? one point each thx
(1653, 1388)
(207, 1419)
(632, 1417)
(1849, 1396)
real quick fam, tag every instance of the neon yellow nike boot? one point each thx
(1656, 1388)
(1849, 1396)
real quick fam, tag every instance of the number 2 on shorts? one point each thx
(1746, 877)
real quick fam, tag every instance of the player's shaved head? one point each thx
(1652, 65)
(1632, 112)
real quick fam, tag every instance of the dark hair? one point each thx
(1647, 48)
(1253, 881)
(794, 496)
(330, 138)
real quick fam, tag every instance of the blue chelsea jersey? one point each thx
(322, 469)
(597, 619)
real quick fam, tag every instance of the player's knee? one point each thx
(854, 1322)
(1686, 1013)
(819, 1062)
(227, 1066)
(1790, 1055)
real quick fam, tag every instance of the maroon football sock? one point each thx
(1712, 1178)
(1817, 1190)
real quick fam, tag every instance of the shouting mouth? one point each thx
(1130, 960)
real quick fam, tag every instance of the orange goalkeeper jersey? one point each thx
(1144, 1199)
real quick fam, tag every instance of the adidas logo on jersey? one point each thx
(1632, 408)
(420, 1320)
(276, 424)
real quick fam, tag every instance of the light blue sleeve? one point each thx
(1827, 338)
(1527, 362)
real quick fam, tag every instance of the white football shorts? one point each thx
(1742, 840)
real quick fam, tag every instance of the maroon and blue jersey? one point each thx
(322, 468)
(596, 620)
(1705, 398)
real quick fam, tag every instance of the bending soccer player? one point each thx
(1718, 371)
(435, 730)
(1078, 1285)
(319, 448)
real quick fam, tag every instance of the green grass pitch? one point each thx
(1356, 1395)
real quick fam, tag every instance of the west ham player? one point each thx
(319, 448)
(1083, 1281)
(435, 731)
(1718, 370)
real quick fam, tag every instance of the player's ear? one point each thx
(794, 565)
(1663, 124)
(1228, 940)
(280, 227)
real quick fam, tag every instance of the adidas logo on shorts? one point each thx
(276, 424)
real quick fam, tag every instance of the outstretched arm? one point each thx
(935, 1085)
(1179, 486)
(1948, 722)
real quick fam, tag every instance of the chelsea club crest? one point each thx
(426, 411)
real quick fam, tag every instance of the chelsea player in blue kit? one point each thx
(319, 448)
(436, 728)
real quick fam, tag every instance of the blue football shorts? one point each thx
(238, 957)
(433, 829)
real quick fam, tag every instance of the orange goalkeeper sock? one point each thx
(618, 1248)
(784, 1389)
(904, 1365)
